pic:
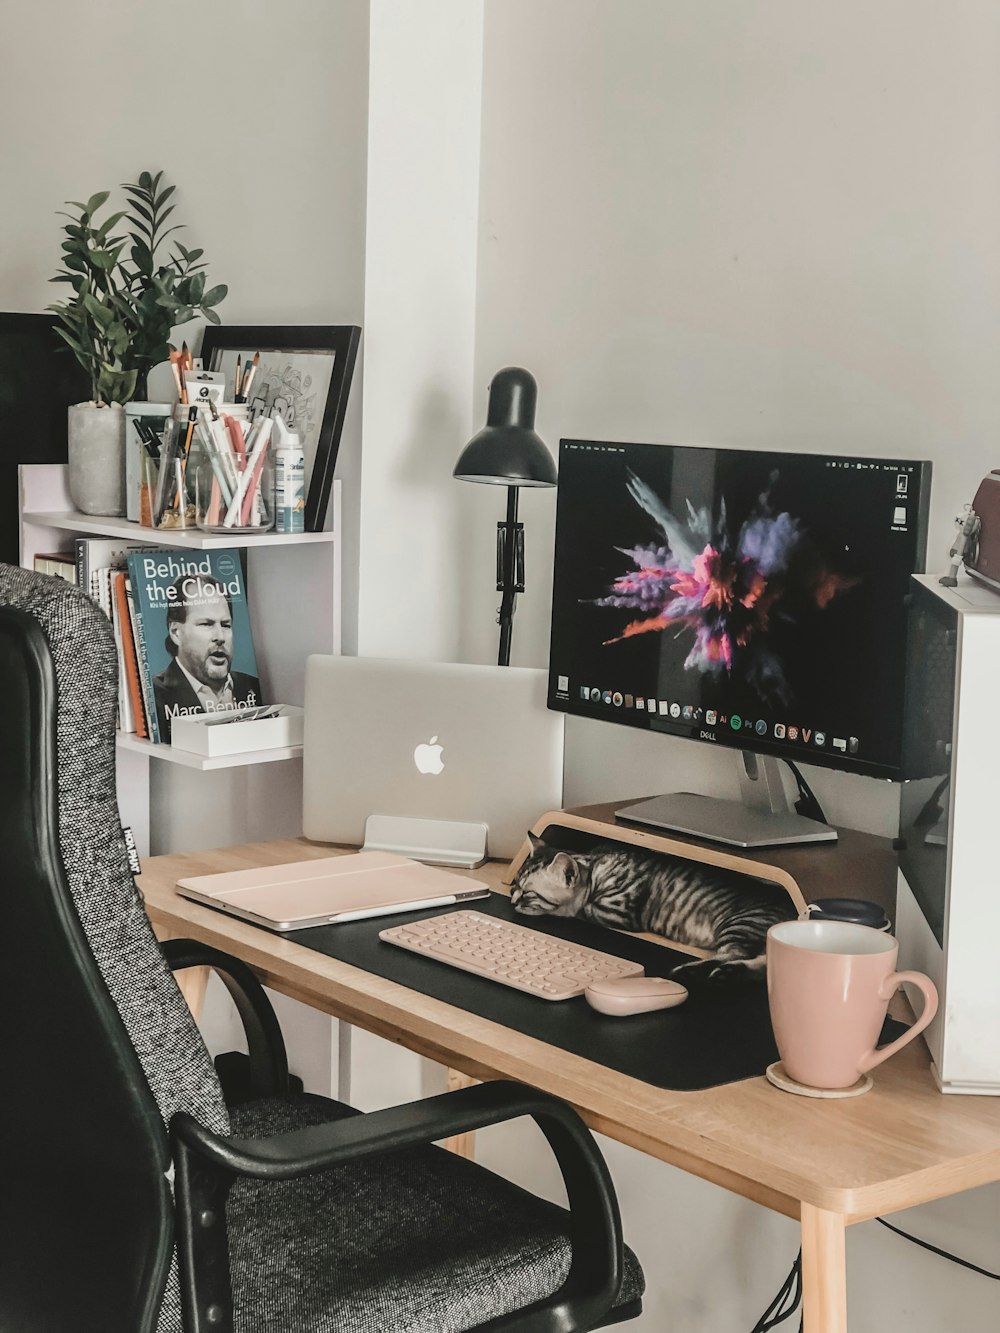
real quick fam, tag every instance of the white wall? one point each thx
(762, 225)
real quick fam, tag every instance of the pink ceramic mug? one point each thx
(829, 984)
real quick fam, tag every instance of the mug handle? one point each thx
(886, 992)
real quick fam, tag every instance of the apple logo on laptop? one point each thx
(427, 757)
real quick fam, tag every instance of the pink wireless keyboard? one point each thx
(516, 956)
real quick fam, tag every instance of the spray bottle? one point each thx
(289, 479)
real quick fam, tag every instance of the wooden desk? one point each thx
(827, 1163)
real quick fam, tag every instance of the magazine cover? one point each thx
(192, 634)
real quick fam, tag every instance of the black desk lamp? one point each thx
(508, 453)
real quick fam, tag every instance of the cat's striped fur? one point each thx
(686, 901)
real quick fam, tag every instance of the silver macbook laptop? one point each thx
(428, 741)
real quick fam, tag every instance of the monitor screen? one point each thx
(743, 598)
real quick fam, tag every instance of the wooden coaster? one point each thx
(776, 1074)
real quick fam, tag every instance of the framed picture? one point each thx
(305, 374)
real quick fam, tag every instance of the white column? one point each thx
(425, 93)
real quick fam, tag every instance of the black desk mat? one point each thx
(715, 1037)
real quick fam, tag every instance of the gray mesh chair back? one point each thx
(100, 1048)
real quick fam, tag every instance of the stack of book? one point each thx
(182, 631)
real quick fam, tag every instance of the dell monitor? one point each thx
(746, 599)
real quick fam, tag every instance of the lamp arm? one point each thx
(510, 572)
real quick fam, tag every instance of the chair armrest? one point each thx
(208, 1160)
(265, 1044)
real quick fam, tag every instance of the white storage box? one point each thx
(208, 734)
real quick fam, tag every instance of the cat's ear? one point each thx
(535, 841)
(564, 864)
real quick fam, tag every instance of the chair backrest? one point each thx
(99, 1046)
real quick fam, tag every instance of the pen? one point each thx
(237, 378)
(243, 715)
(148, 436)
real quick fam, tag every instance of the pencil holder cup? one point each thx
(247, 508)
(145, 424)
(182, 457)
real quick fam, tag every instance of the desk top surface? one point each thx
(901, 1144)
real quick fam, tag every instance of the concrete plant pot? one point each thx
(96, 458)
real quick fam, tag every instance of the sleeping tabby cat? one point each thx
(686, 901)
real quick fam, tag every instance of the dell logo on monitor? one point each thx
(706, 735)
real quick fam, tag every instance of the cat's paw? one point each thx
(718, 973)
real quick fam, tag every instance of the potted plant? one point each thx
(127, 297)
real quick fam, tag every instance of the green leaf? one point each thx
(110, 222)
(164, 195)
(214, 295)
(100, 259)
(136, 208)
(212, 317)
(142, 257)
(96, 201)
(100, 313)
(145, 181)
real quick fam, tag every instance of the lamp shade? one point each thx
(507, 452)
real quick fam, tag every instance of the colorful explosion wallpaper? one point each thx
(725, 586)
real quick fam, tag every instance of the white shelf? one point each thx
(293, 590)
(190, 539)
(127, 740)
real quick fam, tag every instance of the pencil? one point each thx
(175, 358)
(238, 377)
(248, 378)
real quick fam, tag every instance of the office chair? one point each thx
(132, 1198)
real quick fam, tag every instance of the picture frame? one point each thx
(305, 372)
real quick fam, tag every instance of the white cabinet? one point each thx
(293, 591)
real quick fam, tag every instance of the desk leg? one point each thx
(824, 1271)
(463, 1145)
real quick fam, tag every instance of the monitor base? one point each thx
(729, 822)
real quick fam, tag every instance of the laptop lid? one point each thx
(428, 740)
(329, 890)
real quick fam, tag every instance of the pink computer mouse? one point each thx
(621, 996)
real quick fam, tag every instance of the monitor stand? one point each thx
(763, 818)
